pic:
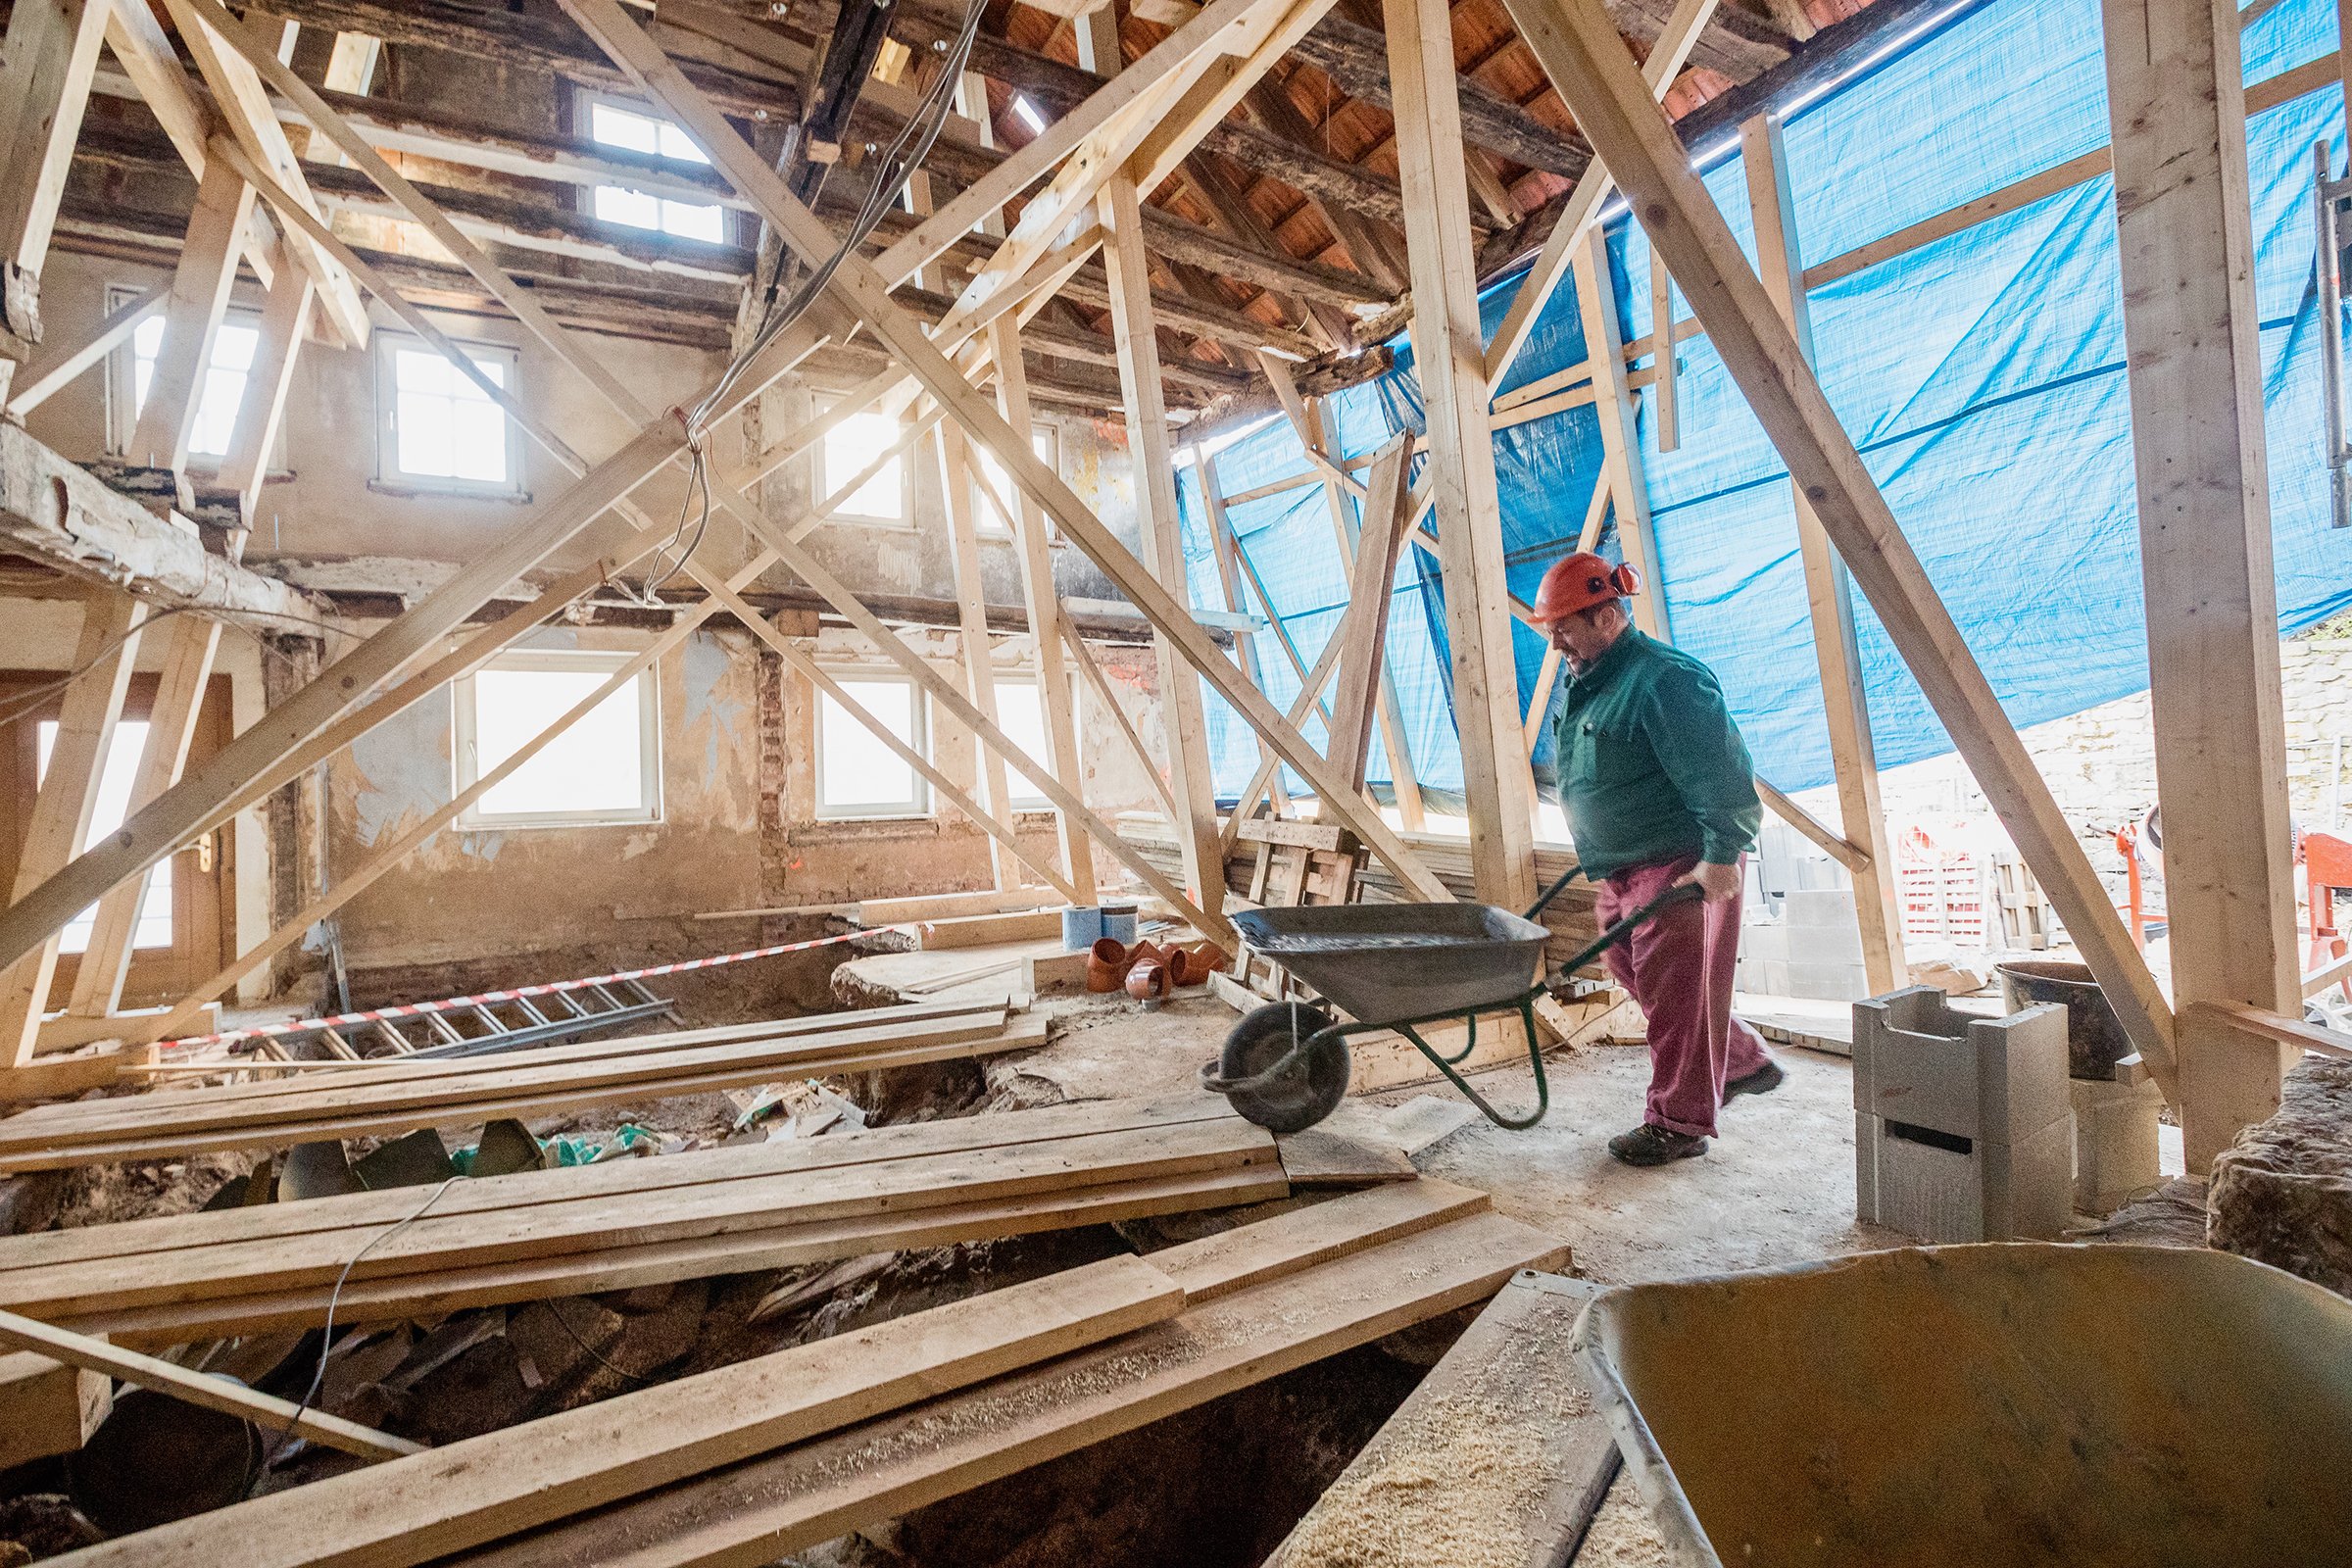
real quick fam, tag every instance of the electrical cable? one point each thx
(326, 1341)
(20, 705)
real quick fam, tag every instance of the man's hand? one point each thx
(1717, 882)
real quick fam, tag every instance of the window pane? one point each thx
(1021, 715)
(990, 519)
(595, 767)
(856, 772)
(636, 209)
(675, 143)
(849, 447)
(446, 427)
(220, 389)
(694, 221)
(617, 128)
(114, 781)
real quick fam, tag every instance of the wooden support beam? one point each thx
(1184, 719)
(1091, 672)
(267, 1411)
(68, 793)
(1588, 62)
(1034, 545)
(807, 668)
(51, 49)
(1449, 359)
(1829, 591)
(217, 41)
(973, 640)
(1665, 415)
(261, 414)
(1593, 188)
(184, 111)
(2177, 106)
(189, 645)
(1229, 576)
(200, 288)
(60, 362)
(1363, 661)
(1620, 436)
(861, 288)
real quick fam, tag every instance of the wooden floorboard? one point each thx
(46, 1149)
(759, 1510)
(1499, 1456)
(871, 1194)
(479, 1490)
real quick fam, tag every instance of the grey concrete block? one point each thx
(2116, 1148)
(1968, 1120)
(1829, 982)
(1824, 908)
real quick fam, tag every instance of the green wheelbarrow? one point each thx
(1985, 1406)
(1393, 966)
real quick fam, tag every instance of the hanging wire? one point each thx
(893, 167)
(22, 704)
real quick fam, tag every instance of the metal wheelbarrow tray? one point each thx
(1381, 963)
(1984, 1407)
(1392, 966)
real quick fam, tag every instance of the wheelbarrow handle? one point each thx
(1552, 892)
(1626, 927)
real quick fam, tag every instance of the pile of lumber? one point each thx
(753, 1461)
(357, 1099)
(628, 1223)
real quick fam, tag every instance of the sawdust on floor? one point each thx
(1621, 1535)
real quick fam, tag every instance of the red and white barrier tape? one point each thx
(416, 1010)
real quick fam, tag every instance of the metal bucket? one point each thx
(2094, 1036)
(1985, 1406)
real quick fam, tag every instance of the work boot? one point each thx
(1652, 1145)
(1763, 1081)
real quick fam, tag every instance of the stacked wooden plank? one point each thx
(753, 1461)
(334, 1100)
(638, 1222)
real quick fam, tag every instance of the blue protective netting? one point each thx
(1982, 376)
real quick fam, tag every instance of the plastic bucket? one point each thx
(1985, 1406)
(2094, 1036)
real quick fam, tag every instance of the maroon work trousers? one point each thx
(1678, 968)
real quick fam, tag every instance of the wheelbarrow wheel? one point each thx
(1302, 1093)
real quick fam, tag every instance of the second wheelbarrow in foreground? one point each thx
(1392, 966)
(1985, 1406)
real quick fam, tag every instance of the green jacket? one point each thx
(1650, 766)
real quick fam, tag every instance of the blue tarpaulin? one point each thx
(1981, 377)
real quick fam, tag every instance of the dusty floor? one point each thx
(1776, 1185)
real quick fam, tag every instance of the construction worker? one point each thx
(1658, 790)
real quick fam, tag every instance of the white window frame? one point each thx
(920, 721)
(122, 387)
(1020, 792)
(466, 749)
(389, 476)
(986, 521)
(584, 106)
(824, 482)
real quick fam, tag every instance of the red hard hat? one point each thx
(1580, 582)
